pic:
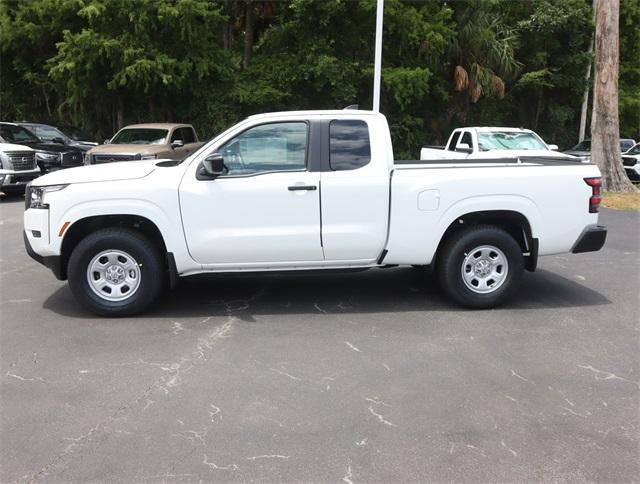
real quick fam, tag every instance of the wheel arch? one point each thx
(84, 226)
(513, 222)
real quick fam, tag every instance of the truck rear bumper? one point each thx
(592, 239)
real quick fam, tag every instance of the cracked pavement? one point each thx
(336, 377)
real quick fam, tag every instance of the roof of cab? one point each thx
(158, 125)
(326, 112)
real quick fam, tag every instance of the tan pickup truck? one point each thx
(146, 142)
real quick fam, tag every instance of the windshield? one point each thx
(140, 136)
(17, 134)
(635, 150)
(625, 144)
(508, 140)
(582, 146)
(47, 133)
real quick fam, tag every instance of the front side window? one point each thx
(349, 146)
(17, 134)
(264, 148)
(140, 136)
(466, 138)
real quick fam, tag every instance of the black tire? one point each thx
(453, 254)
(149, 261)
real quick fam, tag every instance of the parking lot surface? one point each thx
(359, 377)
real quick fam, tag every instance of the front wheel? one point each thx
(115, 272)
(480, 267)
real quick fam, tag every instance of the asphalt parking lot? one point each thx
(362, 377)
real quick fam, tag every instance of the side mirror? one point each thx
(464, 148)
(106, 142)
(553, 147)
(58, 140)
(177, 144)
(213, 165)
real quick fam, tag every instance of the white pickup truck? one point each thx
(300, 191)
(487, 143)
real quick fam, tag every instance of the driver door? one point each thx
(264, 209)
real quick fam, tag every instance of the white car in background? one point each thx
(489, 142)
(18, 166)
(631, 162)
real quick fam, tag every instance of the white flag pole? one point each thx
(377, 68)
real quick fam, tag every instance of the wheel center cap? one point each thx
(114, 274)
(482, 268)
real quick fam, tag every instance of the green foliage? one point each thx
(98, 63)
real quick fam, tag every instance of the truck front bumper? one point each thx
(592, 239)
(17, 179)
(53, 262)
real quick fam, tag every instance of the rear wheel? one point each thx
(116, 272)
(480, 267)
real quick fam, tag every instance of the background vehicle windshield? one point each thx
(140, 136)
(626, 144)
(17, 134)
(583, 146)
(504, 140)
(47, 133)
(635, 150)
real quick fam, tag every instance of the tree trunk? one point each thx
(120, 113)
(605, 127)
(587, 78)
(226, 27)
(248, 35)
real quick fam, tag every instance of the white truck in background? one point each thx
(486, 143)
(306, 190)
(18, 166)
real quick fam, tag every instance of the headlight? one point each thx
(148, 157)
(47, 156)
(36, 195)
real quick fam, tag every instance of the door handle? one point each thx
(296, 188)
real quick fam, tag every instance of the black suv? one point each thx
(50, 156)
(61, 134)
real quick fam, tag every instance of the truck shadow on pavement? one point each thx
(394, 290)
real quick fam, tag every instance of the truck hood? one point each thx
(13, 147)
(127, 170)
(126, 149)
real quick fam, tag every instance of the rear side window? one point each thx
(454, 141)
(349, 146)
(188, 136)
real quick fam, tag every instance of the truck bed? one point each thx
(523, 160)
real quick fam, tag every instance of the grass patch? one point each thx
(622, 201)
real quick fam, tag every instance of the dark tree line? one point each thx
(100, 64)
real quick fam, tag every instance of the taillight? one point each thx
(596, 194)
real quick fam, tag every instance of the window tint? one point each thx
(349, 146)
(466, 138)
(17, 134)
(176, 135)
(268, 147)
(454, 141)
(188, 136)
(140, 136)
